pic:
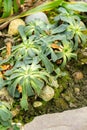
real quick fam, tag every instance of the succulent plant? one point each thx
(34, 64)
(26, 51)
(36, 27)
(5, 115)
(66, 52)
(77, 31)
(31, 78)
(71, 26)
(66, 15)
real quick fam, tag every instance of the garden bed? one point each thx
(46, 57)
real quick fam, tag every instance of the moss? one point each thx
(51, 14)
(58, 91)
(61, 104)
(63, 81)
(68, 95)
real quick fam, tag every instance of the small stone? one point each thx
(72, 105)
(47, 93)
(77, 91)
(37, 104)
(13, 26)
(40, 15)
(78, 75)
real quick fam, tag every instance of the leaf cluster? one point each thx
(75, 28)
(5, 115)
(31, 79)
(35, 59)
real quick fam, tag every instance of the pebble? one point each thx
(40, 15)
(47, 93)
(13, 26)
(78, 75)
(77, 91)
(37, 104)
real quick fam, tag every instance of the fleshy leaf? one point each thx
(76, 6)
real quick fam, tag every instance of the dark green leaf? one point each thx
(22, 1)
(7, 8)
(16, 7)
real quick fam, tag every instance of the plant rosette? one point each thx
(30, 78)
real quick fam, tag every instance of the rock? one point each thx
(67, 120)
(37, 104)
(13, 26)
(40, 15)
(77, 91)
(5, 97)
(47, 93)
(78, 75)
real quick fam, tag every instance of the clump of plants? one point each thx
(44, 51)
(6, 117)
(75, 29)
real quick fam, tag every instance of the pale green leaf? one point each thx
(76, 6)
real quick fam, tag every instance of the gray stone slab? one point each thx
(67, 120)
